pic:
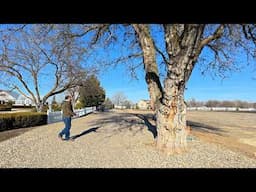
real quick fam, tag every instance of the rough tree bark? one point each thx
(182, 43)
(150, 66)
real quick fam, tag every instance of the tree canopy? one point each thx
(41, 56)
(91, 93)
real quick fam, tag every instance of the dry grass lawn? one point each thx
(236, 131)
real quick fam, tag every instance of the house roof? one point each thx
(12, 93)
(145, 100)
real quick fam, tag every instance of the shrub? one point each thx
(33, 109)
(23, 106)
(56, 107)
(79, 105)
(5, 107)
(45, 108)
(21, 120)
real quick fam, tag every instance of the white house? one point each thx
(119, 107)
(19, 100)
(6, 96)
(144, 104)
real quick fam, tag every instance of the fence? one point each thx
(221, 109)
(53, 117)
(120, 107)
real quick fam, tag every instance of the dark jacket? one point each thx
(67, 109)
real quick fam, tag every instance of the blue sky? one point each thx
(239, 85)
(119, 80)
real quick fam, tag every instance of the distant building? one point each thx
(144, 104)
(120, 107)
(19, 100)
(134, 106)
(6, 96)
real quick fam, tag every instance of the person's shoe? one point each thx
(69, 139)
(60, 137)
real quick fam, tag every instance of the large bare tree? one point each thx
(119, 98)
(184, 45)
(34, 57)
(180, 46)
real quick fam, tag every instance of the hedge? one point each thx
(4, 107)
(22, 106)
(21, 120)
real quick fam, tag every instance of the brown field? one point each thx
(234, 130)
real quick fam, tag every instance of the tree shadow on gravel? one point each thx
(205, 128)
(151, 128)
(94, 129)
(7, 134)
(126, 122)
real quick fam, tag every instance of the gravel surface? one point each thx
(109, 140)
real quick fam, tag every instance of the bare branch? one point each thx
(215, 50)
(166, 60)
(13, 64)
(252, 35)
(122, 59)
(22, 93)
(132, 70)
(64, 88)
(18, 75)
(89, 29)
(217, 34)
(100, 31)
(17, 29)
(43, 50)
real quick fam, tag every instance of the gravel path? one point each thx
(109, 140)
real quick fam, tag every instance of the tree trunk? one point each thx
(150, 65)
(183, 45)
(171, 124)
(182, 42)
(171, 115)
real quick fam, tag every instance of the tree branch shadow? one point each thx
(126, 122)
(151, 128)
(94, 129)
(205, 128)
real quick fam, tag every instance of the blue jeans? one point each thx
(66, 130)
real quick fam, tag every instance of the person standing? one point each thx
(67, 113)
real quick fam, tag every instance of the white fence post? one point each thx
(48, 120)
(221, 109)
(53, 117)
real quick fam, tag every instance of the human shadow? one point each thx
(94, 129)
(151, 128)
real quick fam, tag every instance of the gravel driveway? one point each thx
(109, 140)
